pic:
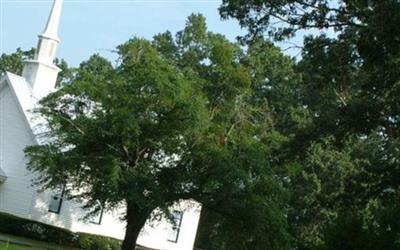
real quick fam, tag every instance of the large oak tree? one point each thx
(174, 119)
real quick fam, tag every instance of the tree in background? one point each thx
(14, 63)
(177, 118)
(344, 170)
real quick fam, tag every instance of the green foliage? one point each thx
(66, 74)
(175, 119)
(14, 225)
(96, 242)
(35, 230)
(14, 62)
(343, 161)
(165, 44)
(375, 228)
(346, 191)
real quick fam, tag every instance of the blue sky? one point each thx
(98, 26)
(89, 27)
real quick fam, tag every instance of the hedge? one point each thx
(97, 242)
(14, 225)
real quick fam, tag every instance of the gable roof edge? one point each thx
(22, 93)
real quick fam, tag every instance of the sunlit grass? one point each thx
(10, 246)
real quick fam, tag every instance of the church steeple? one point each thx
(41, 73)
(51, 30)
(48, 41)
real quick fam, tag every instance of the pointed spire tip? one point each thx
(51, 30)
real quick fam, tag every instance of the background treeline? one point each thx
(323, 130)
(340, 160)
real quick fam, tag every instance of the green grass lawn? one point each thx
(5, 246)
(27, 244)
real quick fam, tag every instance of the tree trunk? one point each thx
(135, 219)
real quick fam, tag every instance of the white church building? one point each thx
(18, 96)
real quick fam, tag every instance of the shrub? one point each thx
(96, 242)
(36, 230)
(14, 225)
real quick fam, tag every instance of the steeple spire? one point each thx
(41, 73)
(48, 41)
(51, 30)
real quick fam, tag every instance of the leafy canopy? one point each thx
(344, 151)
(177, 118)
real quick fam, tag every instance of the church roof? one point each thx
(24, 96)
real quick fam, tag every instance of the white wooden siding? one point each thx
(16, 195)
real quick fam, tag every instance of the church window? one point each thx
(97, 218)
(56, 200)
(174, 231)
